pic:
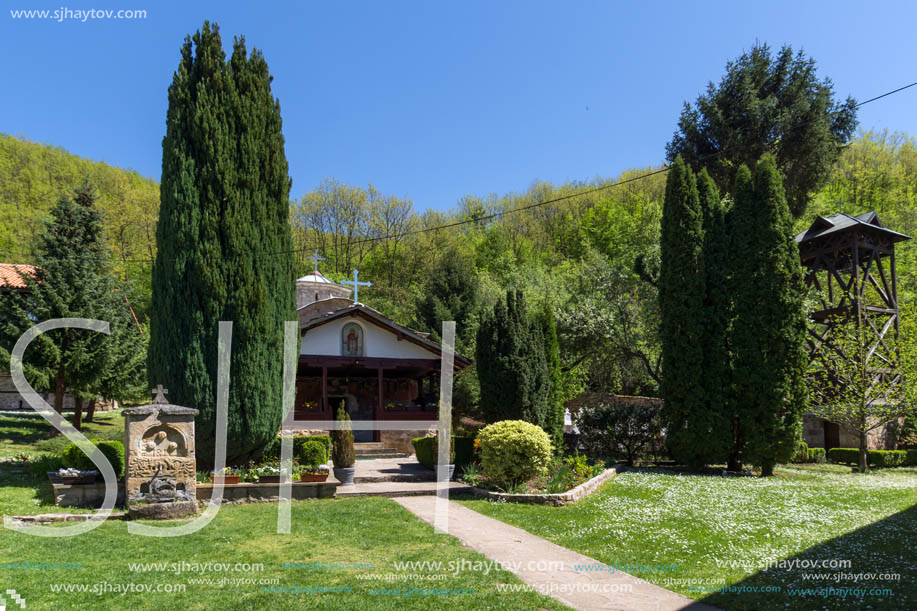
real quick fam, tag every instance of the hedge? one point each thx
(816, 455)
(272, 450)
(425, 450)
(74, 458)
(874, 458)
(312, 453)
(802, 452)
(911, 458)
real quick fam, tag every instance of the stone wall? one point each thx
(401, 440)
(814, 434)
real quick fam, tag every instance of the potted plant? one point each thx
(268, 474)
(313, 456)
(227, 475)
(342, 450)
(314, 474)
(451, 466)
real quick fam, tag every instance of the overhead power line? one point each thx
(501, 213)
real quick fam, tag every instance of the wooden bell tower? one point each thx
(850, 264)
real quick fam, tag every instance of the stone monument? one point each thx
(160, 467)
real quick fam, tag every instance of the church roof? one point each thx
(377, 318)
(824, 226)
(317, 278)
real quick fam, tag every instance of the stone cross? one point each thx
(356, 284)
(316, 258)
(160, 394)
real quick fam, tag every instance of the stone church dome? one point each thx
(315, 287)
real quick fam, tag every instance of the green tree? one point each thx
(768, 331)
(224, 243)
(74, 280)
(554, 408)
(511, 364)
(681, 300)
(767, 104)
(717, 308)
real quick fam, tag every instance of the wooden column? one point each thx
(379, 406)
(325, 390)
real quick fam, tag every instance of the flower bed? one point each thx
(544, 498)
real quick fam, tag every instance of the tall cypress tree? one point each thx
(554, 408)
(224, 243)
(681, 299)
(511, 364)
(768, 331)
(717, 308)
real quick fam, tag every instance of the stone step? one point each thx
(392, 454)
(368, 451)
(395, 477)
(398, 489)
(367, 445)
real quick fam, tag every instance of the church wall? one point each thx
(379, 343)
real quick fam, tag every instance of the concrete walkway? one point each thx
(503, 543)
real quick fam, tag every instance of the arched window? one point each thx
(352, 340)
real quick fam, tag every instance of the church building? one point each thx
(353, 355)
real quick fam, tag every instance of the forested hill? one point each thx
(589, 255)
(32, 178)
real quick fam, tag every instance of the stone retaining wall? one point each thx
(247, 493)
(564, 498)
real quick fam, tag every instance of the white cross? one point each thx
(356, 284)
(316, 258)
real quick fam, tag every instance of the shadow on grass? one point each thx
(24, 431)
(881, 549)
(22, 481)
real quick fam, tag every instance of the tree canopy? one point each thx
(767, 103)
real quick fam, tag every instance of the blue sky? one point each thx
(437, 100)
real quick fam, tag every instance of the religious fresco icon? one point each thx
(352, 340)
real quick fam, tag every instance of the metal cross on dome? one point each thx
(159, 395)
(356, 284)
(316, 258)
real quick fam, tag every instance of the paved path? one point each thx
(501, 542)
(398, 489)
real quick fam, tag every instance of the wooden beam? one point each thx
(325, 407)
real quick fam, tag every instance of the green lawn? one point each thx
(725, 529)
(366, 531)
(29, 433)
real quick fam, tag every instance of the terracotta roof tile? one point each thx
(10, 278)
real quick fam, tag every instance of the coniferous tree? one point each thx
(768, 330)
(717, 308)
(681, 298)
(554, 409)
(73, 280)
(511, 364)
(224, 244)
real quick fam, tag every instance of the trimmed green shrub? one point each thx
(423, 450)
(426, 450)
(342, 449)
(802, 453)
(312, 453)
(621, 429)
(816, 455)
(73, 457)
(514, 451)
(874, 458)
(911, 458)
(272, 449)
(844, 456)
(887, 458)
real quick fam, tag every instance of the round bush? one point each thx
(312, 454)
(73, 457)
(514, 451)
